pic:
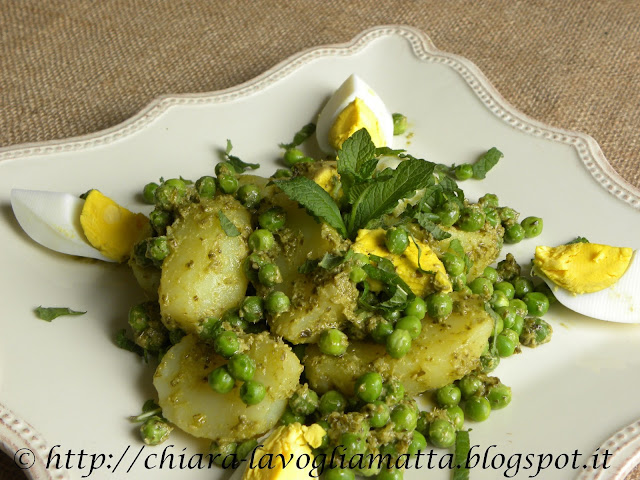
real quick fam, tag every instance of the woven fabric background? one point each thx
(70, 67)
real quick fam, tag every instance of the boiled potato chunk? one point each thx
(443, 352)
(318, 302)
(188, 402)
(203, 275)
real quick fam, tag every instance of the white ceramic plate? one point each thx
(76, 389)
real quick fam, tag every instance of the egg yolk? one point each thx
(110, 228)
(290, 444)
(583, 267)
(352, 118)
(407, 268)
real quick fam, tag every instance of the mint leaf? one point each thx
(461, 456)
(227, 225)
(238, 164)
(315, 200)
(355, 152)
(426, 223)
(49, 313)
(300, 137)
(486, 162)
(578, 240)
(381, 197)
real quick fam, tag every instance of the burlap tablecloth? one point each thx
(73, 67)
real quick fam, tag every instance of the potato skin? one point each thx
(443, 352)
(188, 402)
(203, 275)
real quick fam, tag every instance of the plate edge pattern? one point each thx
(587, 149)
(16, 434)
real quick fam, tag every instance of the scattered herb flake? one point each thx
(300, 137)
(238, 164)
(486, 162)
(227, 225)
(49, 313)
(460, 460)
(578, 240)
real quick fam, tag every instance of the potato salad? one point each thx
(319, 302)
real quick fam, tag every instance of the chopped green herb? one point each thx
(578, 240)
(315, 200)
(461, 448)
(149, 409)
(227, 225)
(429, 225)
(300, 137)
(238, 164)
(486, 162)
(49, 313)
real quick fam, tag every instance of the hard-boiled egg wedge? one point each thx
(290, 444)
(353, 106)
(598, 281)
(95, 228)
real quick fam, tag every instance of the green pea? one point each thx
(416, 308)
(492, 217)
(332, 401)
(269, 275)
(453, 264)
(477, 409)
(537, 303)
(418, 443)
(513, 233)
(252, 309)
(293, 156)
(469, 385)
(252, 392)
(220, 451)
(336, 473)
(393, 391)
(505, 287)
(170, 193)
(471, 219)
(490, 273)
(381, 331)
(498, 326)
(499, 396)
(532, 226)
(155, 430)
(404, 417)
(148, 193)
(261, 240)
(398, 343)
(352, 443)
(234, 320)
(520, 306)
(397, 240)
(368, 387)
(508, 215)
(392, 315)
(228, 183)
(304, 402)
(449, 213)
(498, 299)
(220, 380)
(508, 314)
(380, 413)
(333, 342)
(224, 168)
(489, 362)
(277, 302)
(283, 173)
(357, 274)
(522, 286)
(544, 288)
(392, 474)
(158, 249)
(245, 448)
(249, 195)
(411, 324)
(482, 286)
(226, 344)
(456, 416)
(464, 171)
(489, 200)
(241, 367)
(288, 417)
(517, 325)
(139, 318)
(442, 433)
(160, 219)
(439, 305)
(505, 345)
(535, 332)
(448, 396)
(211, 328)
(206, 187)
(273, 219)
(459, 283)
(399, 123)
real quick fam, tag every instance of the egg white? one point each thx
(352, 87)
